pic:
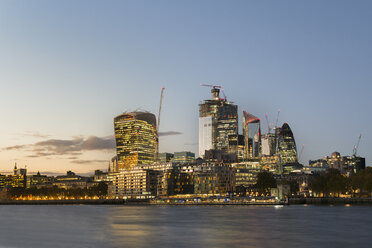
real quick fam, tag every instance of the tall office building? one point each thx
(218, 119)
(252, 135)
(287, 146)
(183, 157)
(136, 138)
(268, 144)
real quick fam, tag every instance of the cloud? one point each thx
(70, 147)
(169, 133)
(89, 161)
(36, 135)
(18, 147)
(191, 144)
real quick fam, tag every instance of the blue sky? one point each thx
(68, 67)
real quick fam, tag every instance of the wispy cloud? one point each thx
(17, 147)
(89, 161)
(191, 144)
(70, 147)
(169, 133)
(35, 135)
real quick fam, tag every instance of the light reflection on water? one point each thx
(185, 226)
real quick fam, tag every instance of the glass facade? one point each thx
(136, 139)
(252, 135)
(287, 146)
(183, 157)
(218, 119)
(246, 173)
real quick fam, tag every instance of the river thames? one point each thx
(185, 226)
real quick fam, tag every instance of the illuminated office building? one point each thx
(287, 146)
(218, 119)
(165, 157)
(183, 157)
(236, 146)
(246, 173)
(252, 135)
(136, 139)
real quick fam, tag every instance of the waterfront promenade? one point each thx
(196, 201)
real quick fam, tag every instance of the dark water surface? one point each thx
(185, 226)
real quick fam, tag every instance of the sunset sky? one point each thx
(67, 68)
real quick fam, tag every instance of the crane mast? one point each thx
(158, 125)
(355, 150)
(268, 123)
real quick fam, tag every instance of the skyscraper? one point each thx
(268, 144)
(252, 135)
(136, 138)
(287, 146)
(218, 119)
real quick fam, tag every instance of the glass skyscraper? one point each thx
(287, 146)
(136, 138)
(218, 119)
(252, 135)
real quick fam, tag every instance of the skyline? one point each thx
(88, 64)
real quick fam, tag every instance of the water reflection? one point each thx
(182, 226)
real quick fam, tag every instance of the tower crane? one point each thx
(215, 91)
(302, 150)
(158, 124)
(212, 86)
(355, 150)
(223, 92)
(277, 118)
(268, 123)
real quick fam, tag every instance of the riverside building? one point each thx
(136, 139)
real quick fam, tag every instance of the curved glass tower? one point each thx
(287, 146)
(136, 138)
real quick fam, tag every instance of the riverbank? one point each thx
(76, 202)
(329, 200)
(193, 202)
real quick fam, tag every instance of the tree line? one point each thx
(333, 183)
(54, 192)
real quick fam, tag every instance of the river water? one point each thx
(185, 226)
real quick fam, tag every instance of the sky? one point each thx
(67, 68)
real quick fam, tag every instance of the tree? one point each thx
(265, 181)
(330, 182)
(293, 184)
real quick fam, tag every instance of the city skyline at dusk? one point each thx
(68, 69)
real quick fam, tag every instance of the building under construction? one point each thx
(218, 119)
(136, 139)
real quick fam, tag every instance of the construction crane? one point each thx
(223, 92)
(268, 123)
(302, 150)
(212, 86)
(277, 118)
(355, 150)
(158, 125)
